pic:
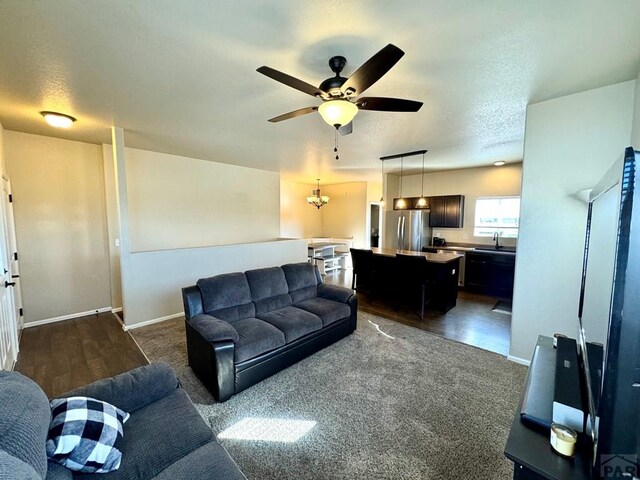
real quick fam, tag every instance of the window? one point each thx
(497, 214)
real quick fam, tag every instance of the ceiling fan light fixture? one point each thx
(337, 112)
(58, 120)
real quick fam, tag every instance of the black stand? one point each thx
(528, 447)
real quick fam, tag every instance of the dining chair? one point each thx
(362, 262)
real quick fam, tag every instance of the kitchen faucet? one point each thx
(496, 238)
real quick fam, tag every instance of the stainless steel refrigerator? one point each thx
(407, 230)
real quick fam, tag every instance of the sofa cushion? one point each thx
(328, 310)
(303, 280)
(232, 314)
(24, 420)
(226, 296)
(134, 389)
(293, 322)
(211, 461)
(13, 468)
(55, 471)
(256, 337)
(269, 289)
(158, 435)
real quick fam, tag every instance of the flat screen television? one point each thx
(609, 318)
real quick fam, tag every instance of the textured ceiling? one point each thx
(180, 77)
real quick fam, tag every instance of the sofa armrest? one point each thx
(134, 389)
(335, 293)
(213, 329)
(192, 301)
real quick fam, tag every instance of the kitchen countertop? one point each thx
(431, 257)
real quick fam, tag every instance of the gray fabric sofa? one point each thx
(165, 437)
(244, 327)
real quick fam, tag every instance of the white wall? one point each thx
(635, 129)
(345, 216)
(152, 280)
(60, 217)
(156, 278)
(181, 202)
(298, 219)
(472, 183)
(569, 144)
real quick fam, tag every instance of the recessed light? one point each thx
(59, 120)
(499, 163)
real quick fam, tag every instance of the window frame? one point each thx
(489, 231)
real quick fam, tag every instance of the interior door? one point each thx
(12, 252)
(8, 317)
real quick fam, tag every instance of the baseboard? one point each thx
(116, 310)
(66, 317)
(152, 321)
(519, 360)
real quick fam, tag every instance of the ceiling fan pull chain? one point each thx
(335, 149)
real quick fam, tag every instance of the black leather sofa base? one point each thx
(253, 371)
(214, 364)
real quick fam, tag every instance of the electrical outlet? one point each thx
(465, 236)
(437, 234)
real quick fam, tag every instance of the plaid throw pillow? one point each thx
(83, 434)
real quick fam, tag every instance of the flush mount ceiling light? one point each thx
(316, 199)
(58, 120)
(499, 163)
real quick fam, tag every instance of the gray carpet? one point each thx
(415, 406)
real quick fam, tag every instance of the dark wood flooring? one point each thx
(471, 321)
(65, 355)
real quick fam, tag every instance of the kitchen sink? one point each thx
(494, 249)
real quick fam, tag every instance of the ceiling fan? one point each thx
(340, 96)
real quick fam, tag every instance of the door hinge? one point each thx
(10, 198)
(15, 255)
(21, 312)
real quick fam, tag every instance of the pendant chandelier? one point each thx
(316, 199)
(401, 204)
(422, 202)
(382, 180)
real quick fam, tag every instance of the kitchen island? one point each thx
(444, 275)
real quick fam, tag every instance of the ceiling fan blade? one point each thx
(346, 129)
(388, 104)
(372, 70)
(294, 114)
(292, 82)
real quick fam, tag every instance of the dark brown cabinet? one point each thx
(446, 211)
(490, 274)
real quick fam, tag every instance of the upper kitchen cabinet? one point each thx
(446, 211)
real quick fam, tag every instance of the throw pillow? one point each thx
(84, 433)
